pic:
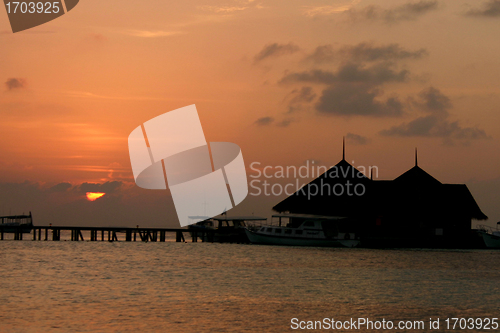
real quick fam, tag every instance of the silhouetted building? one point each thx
(413, 210)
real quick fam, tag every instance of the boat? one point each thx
(491, 236)
(225, 229)
(305, 230)
(16, 223)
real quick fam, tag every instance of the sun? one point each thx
(93, 196)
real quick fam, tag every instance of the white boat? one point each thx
(491, 236)
(225, 229)
(305, 230)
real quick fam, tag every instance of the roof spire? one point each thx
(343, 148)
(416, 157)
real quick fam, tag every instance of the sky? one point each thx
(284, 80)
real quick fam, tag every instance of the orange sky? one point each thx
(85, 80)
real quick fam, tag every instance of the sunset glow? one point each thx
(285, 81)
(93, 196)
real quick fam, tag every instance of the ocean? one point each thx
(65, 286)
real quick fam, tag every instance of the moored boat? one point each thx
(16, 223)
(305, 230)
(225, 229)
(491, 236)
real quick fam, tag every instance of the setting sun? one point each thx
(93, 196)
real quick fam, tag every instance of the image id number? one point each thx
(33, 7)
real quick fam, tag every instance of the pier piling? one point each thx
(130, 234)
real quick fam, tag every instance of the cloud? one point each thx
(437, 124)
(353, 89)
(490, 9)
(350, 99)
(264, 121)
(15, 83)
(433, 101)
(222, 9)
(153, 34)
(323, 54)
(66, 204)
(61, 187)
(406, 12)
(350, 73)
(299, 97)
(275, 50)
(356, 139)
(304, 94)
(108, 187)
(328, 10)
(241, 6)
(370, 52)
(285, 122)
(364, 52)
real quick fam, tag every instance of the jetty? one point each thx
(45, 233)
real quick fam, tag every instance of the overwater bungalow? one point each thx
(413, 210)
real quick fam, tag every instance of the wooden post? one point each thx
(162, 236)
(46, 233)
(102, 235)
(34, 234)
(20, 237)
(194, 236)
(39, 233)
(114, 236)
(128, 235)
(80, 234)
(135, 235)
(109, 235)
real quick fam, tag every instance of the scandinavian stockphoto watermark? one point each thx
(28, 14)
(278, 180)
(205, 179)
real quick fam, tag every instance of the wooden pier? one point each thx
(110, 234)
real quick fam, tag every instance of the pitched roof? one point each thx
(417, 175)
(414, 192)
(330, 188)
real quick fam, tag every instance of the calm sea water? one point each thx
(202, 287)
